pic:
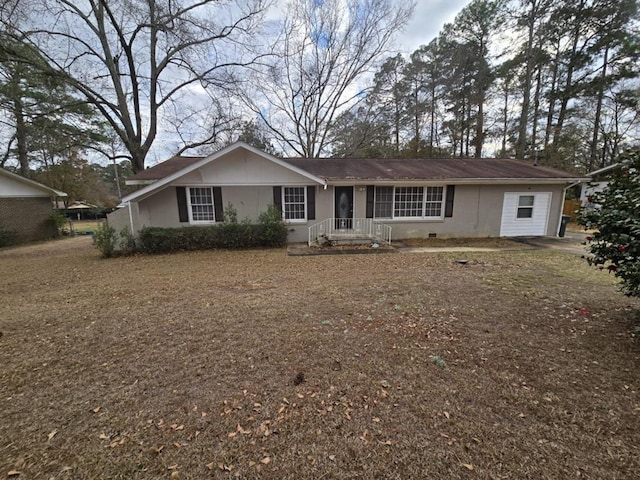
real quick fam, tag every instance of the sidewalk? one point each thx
(571, 242)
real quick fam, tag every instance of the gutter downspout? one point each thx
(564, 196)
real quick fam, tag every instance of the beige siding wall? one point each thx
(242, 167)
(10, 187)
(249, 202)
(477, 212)
(324, 203)
(161, 210)
(477, 209)
(121, 218)
(118, 219)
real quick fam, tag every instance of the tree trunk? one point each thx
(432, 127)
(21, 136)
(526, 89)
(479, 140)
(536, 110)
(552, 97)
(505, 118)
(416, 124)
(567, 92)
(596, 122)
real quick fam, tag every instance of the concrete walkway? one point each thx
(571, 242)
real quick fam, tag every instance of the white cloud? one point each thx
(428, 19)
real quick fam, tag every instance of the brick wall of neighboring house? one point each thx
(29, 218)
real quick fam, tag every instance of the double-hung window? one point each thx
(525, 206)
(294, 201)
(383, 204)
(433, 197)
(201, 204)
(408, 202)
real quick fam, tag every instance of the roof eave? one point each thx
(33, 183)
(141, 182)
(457, 181)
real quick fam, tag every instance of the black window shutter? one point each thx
(183, 212)
(217, 204)
(311, 203)
(448, 208)
(370, 196)
(277, 198)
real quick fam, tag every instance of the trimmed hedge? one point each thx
(224, 235)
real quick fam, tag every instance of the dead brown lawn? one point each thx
(483, 242)
(518, 365)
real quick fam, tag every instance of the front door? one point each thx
(344, 208)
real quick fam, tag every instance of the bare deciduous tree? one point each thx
(132, 59)
(324, 49)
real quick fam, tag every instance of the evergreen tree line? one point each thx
(551, 81)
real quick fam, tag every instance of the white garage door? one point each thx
(525, 213)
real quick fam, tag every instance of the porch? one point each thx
(349, 231)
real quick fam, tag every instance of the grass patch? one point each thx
(252, 364)
(488, 242)
(81, 227)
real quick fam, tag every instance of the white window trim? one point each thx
(190, 210)
(375, 195)
(422, 217)
(532, 207)
(294, 220)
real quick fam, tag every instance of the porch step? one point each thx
(337, 239)
(360, 231)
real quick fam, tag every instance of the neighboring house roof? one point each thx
(81, 205)
(31, 183)
(606, 169)
(431, 169)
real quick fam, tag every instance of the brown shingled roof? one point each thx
(164, 169)
(392, 169)
(424, 169)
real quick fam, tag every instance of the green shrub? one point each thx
(105, 239)
(269, 232)
(615, 217)
(127, 241)
(59, 221)
(230, 214)
(273, 232)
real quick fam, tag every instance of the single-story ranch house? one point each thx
(379, 199)
(26, 208)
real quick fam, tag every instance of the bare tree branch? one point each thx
(130, 58)
(326, 48)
